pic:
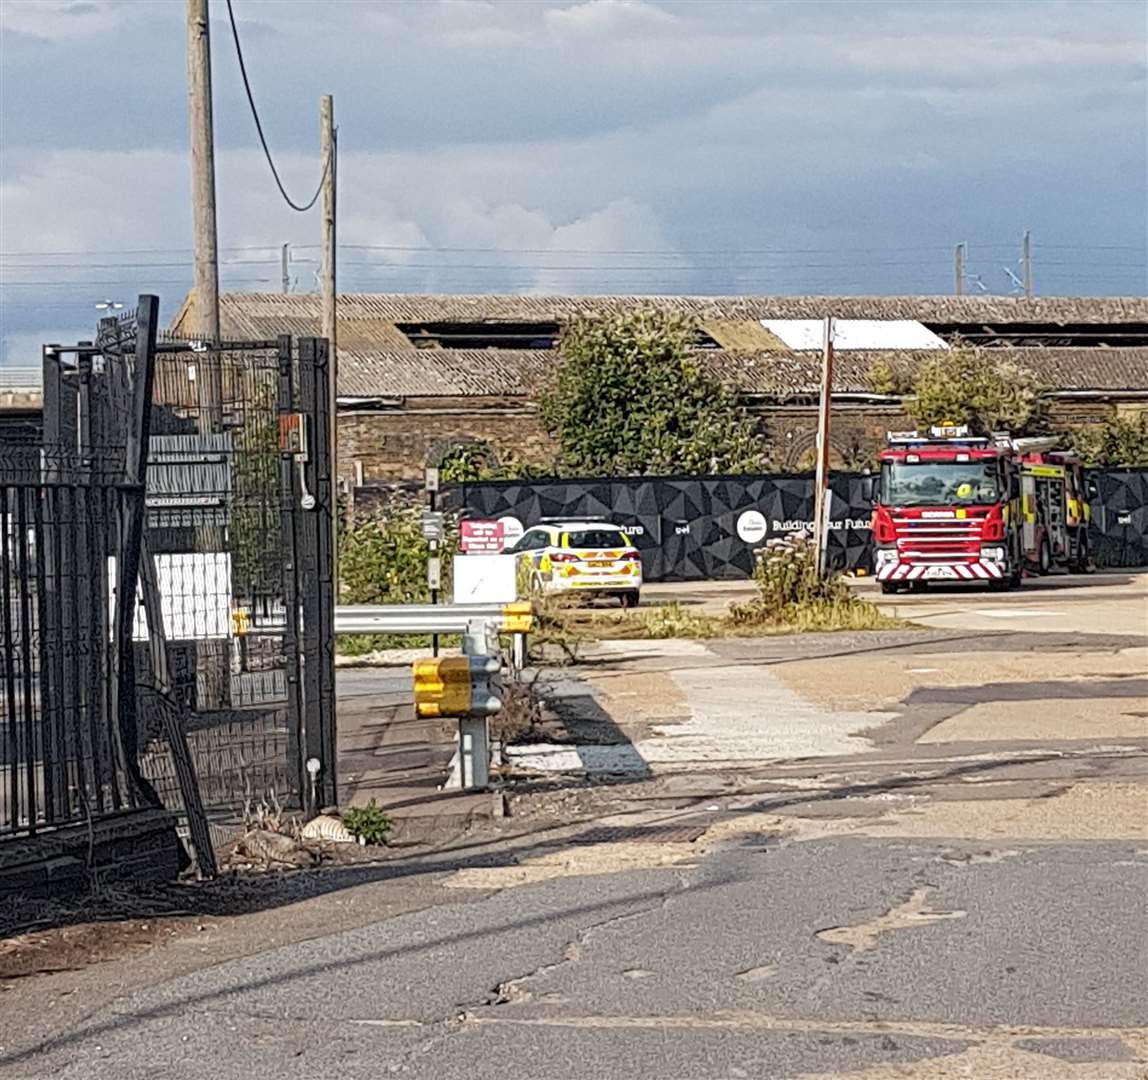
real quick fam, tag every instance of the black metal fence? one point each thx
(68, 509)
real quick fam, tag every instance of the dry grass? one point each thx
(577, 626)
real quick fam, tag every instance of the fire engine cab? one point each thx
(951, 507)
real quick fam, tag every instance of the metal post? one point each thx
(474, 731)
(1026, 264)
(329, 161)
(289, 496)
(284, 267)
(132, 515)
(317, 582)
(821, 494)
(959, 269)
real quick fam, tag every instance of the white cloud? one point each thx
(59, 20)
(609, 17)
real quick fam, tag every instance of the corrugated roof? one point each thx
(377, 360)
(255, 308)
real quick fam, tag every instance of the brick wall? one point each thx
(398, 444)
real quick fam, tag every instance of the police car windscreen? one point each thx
(596, 538)
(939, 483)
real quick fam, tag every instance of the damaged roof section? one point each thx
(394, 346)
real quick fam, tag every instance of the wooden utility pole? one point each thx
(822, 500)
(1026, 264)
(205, 288)
(959, 269)
(329, 160)
(205, 305)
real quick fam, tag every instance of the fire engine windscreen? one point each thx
(939, 483)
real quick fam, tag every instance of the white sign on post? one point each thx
(485, 579)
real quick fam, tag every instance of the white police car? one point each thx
(580, 556)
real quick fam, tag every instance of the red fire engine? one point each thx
(950, 507)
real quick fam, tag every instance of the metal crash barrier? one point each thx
(467, 687)
(516, 618)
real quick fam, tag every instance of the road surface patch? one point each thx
(912, 913)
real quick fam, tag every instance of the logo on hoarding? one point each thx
(751, 527)
(512, 530)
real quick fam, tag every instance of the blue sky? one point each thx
(607, 146)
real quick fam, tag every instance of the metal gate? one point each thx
(239, 528)
(167, 603)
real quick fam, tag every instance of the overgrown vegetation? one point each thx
(629, 398)
(1121, 442)
(253, 528)
(792, 594)
(471, 463)
(383, 559)
(368, 824)
(521, 712)
(791, 599)
(360, 645)
(884, 378)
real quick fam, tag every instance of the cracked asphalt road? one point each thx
(960, 891)
(724, 968)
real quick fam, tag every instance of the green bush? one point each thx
(383, 559)
(630, 397)
(1121, 442)
(368, 824)
(983, 388)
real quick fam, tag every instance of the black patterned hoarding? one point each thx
(1118, 535)
(696, 528)
(689, 528)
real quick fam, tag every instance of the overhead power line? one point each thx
(685, 253)
(259, 127)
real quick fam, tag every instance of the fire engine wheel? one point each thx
(890, 587)
(1044, 559)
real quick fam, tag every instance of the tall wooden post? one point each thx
(821, 489)
(205, 306)
(205, 290)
